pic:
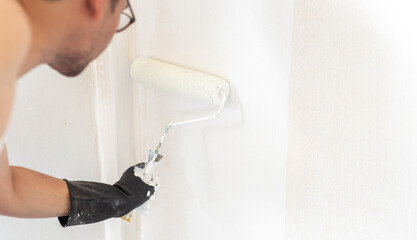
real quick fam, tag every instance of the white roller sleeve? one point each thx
(180, 80)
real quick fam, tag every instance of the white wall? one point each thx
(351, 169)
(53, 131)
(79, 128)
(223, 179)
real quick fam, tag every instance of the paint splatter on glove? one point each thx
(93, 202)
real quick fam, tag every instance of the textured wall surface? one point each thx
(350, 170)
(223, 179)
(352, 123)
(53, 131)
(76, 128)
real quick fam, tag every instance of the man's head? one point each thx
(78, 30)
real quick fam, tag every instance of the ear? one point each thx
(96, 8)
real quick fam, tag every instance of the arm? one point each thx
(23, 193)
(26, 193)
(15, 40)
(29, 194)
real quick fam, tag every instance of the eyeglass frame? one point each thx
(132, 18)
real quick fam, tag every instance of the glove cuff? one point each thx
(93, 202)
(66, 220)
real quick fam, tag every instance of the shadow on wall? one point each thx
(340, 165)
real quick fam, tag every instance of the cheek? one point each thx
(115, 21)
(101, 41)
(107, 31)
(106, 39)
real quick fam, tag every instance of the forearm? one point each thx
(37, 195)
(29, 194)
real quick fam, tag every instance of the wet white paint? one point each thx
(246, 42)
(211, 171)
(146, 178)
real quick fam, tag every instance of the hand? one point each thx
(92, 202)
(146, 174)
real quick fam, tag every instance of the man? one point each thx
(67, 35)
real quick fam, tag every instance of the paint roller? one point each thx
(181, 81)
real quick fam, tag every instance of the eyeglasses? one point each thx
(127, 17)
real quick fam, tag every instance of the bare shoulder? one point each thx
(15, 38)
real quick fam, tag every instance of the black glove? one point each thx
(93, 202)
